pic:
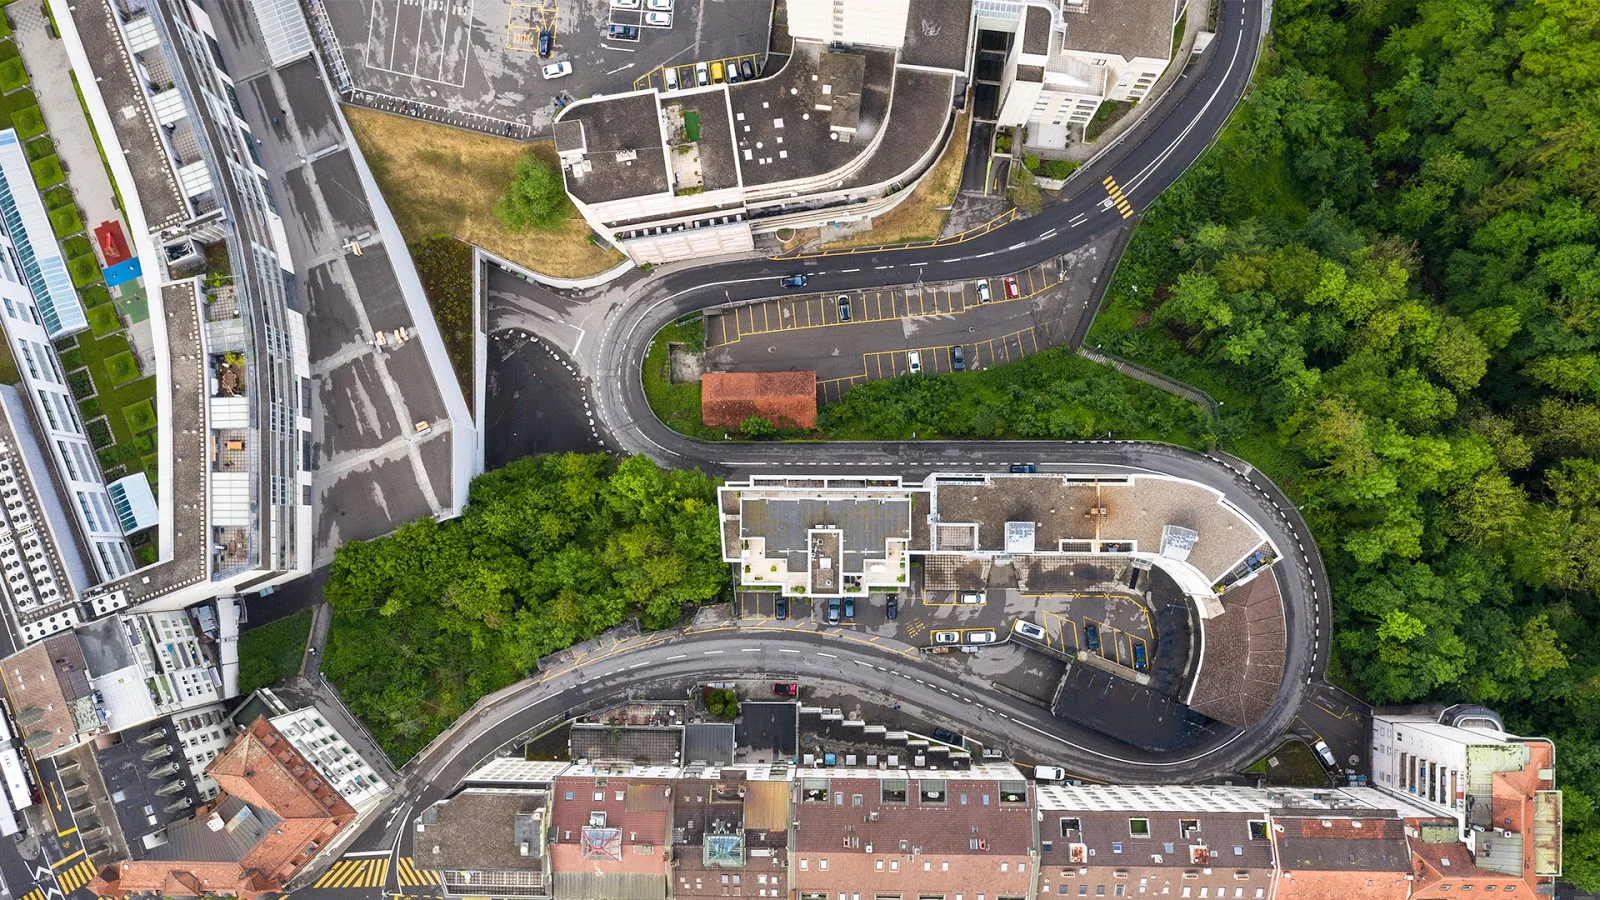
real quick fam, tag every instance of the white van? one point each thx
(1049, 773)
(669, 76)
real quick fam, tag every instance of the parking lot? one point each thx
(809, 331)
(477, 64)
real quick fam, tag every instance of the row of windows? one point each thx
(1120, 890)
(97, 512)
(114, 557)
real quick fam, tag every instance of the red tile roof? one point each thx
(786, 399)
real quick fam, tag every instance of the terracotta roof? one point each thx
(1443, 868)
(966, 875)
(968, 818)
(635, 838)
(1336, 858)
(39, 696)
(263, 769)
(1242, 665)
(786, 399)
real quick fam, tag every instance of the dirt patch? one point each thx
(921, 216)
(684, 365)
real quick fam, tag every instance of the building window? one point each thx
(1139, 828)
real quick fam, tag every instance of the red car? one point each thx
(786, 689)
(1012, 290)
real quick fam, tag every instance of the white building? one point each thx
(40, 306)
(326, 749)
(1070, 56)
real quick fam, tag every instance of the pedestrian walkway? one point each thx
(355, 873)
(410, 875)
(76, 877)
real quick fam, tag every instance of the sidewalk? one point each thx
(46, 59)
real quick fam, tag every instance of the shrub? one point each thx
(39, 148)
(71, 358)
(1059, 168)
(1031, 160)
(95, 294)
(536, 197)
(151, 464)
(81, 384)
(141, 417)
(122, 368)
(89, 407)
(103, 320)
(756, 426)
(723, 703)
(77, 245)
(147, 555)
(100, 437)
(145, 443)
(1024, 192)
(28, 122)
(445, 266)
(46, 172)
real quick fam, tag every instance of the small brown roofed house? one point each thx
(1334, 857)
(786, 399)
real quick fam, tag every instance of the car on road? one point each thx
(702, 76)
(1140, 661)
(658, 19)
(985, 636)
(833, 611)
(557, 70)
(849, 607)
(786, 689)
(747, 70)
(1028, 629)
(913, 362)
(844, 307)
(547, 41)
(983, 291)
(669, 77)
(891, 607)
(1091, 637)
(1049, 774)
(970, 598)
(1326, 754)
(780, 609)
(947, 637)
(663, 5)
(958, 362)
(948, 737)
(1023, 468)
(718, 73)
(1013, 290)
(798, 279)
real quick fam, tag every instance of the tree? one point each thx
(536, 197)
(723, 703)
(1023, 191)
(756, 426)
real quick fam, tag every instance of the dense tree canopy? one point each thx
(1389, 271)
(550, 551)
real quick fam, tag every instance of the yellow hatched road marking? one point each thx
(338, 870)
(76, 877)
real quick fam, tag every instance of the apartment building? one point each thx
(855, 112)
(1067, 57)
(340, 764)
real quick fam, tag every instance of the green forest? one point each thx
(1387, 270)
(551, 550)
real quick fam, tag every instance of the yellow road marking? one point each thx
(66, 859)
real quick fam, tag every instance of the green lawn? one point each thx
(28, 122)
(47, 172)
(103, 320)
(66, 221)
(107, 359)
(1297, 766)
(122, 368)
(272, 652)
(12, 74)
(141, 416)
(85, 270)
(678, 405)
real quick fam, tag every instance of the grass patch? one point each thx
(921, 216)
(272, 652)
(76, 245)
(57, 197)
(47, 172)
(1107, 115)
(1298, 766)
(103, 320)
(85, 270)
(81, 384)
(445, 266)
(39, 148)
(13, 74)
(445, 181)
(71, 358)
(9, 373)
(676, 404)
(66, 220)
(122, 368)
(691, 125)
(95, 295)
(141, 416)
(28, 122)
(89, 408)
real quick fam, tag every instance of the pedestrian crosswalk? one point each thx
(76, 877)
(411, 875)
(355, 873)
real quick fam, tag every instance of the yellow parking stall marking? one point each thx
(67, 832)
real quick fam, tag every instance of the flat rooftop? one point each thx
(147, 779)
(485, 830)
(820, 112)
(937, 34)
(623, 155)
(718, 168)
(1128, 28)
(918, 117)
(866, 525)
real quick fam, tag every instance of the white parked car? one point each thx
(913, 362)
(624, 4)
(557, 70)
(1326, 754)
(702, 74)
(1028, 629)
(669, 77)
(1049, 773)
(970, 598)
(985, 636)
(658, 19)
(947, 637)
(662, 5)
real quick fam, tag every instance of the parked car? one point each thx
(547, 42)
(733, 73)
(1091, 637)
(986, 636)
(1024, 469)
(1028, 629)
(663, 5)
(669, 77)
(891, 607)
(970, 598)
(1048, 774)
(658, 19)
(947, 637)
(702, 76)
(833, 611)
(786, 689)
(844, 307)
(958, 362)
(797, 280)
(1140, 661)
(849, 607)
(1326, 754)
(780, 609)
(983, 291)
(1013, 290)
(748, 70)
(557, 70)
(913, 362)
(624, 4)
(948, 737)
(623, 32)
(718, 72)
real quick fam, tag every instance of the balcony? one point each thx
(228, 371)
